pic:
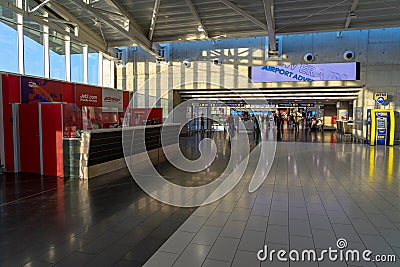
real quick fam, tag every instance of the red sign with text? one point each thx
(86, 95)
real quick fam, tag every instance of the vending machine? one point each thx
(380, 127)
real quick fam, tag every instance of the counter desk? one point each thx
(102, 151)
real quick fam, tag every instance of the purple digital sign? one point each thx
(306, 72)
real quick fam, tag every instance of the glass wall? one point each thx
(57, 57)
(93, 67)
(8, 47)
(107, 73)
(8, 41)
(33, 52)
(76, 63)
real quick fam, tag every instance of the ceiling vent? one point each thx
(309, 57)
(348, 55)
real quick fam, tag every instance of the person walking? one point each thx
(202, 123)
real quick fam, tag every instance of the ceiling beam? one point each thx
(351, 14)
(126, 43)
(83, 36)
(270, 18)
(154, 19)
(196, 15)
(133, 24)
(130, 34)
(244, 13)
(38, 6)
(84, 32)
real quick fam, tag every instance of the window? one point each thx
(93, 67)
(57, 57)
(76, 63)
(8, 41)
(33, 52)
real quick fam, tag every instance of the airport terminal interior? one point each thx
(199, 133)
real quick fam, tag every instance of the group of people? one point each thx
(293, 120)
(232, 127)
(315, 124)
(296, 119)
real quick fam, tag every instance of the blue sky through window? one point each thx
(8, 48)
(33, 57)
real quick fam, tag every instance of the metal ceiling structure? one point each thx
(326, 95)
(149, 22)
(117, 23)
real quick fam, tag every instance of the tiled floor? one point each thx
(45, 222)
(315, 194)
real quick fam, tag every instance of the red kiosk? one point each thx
(37, 115)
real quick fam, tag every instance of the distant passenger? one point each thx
(202, 123)
(231, 124)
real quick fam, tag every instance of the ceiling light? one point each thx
(200, 28)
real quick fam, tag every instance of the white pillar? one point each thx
(85, 64)
(112, 73)
(46, 52)
(100, 78)
(67, 57)
(20, 33)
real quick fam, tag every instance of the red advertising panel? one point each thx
(29, 147)
(34, 90)
(14, 88)
(7, 131)
(86, 95)
(52, 149)
(68, 92)
(126, 99)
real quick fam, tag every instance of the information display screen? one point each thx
(380, 124)
(306, 72)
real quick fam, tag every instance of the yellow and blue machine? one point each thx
(380, 127)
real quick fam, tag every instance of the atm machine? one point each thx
(380, 127)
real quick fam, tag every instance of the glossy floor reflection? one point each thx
(46, 221)
(314, 194)
(305, 135)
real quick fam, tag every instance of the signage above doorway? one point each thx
(306, 72)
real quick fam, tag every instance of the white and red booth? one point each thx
(37, 114)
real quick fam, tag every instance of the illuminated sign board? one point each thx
(380, 95)
(235, 104)
(380, 98)
(305, 105)
(300, 105)
(306, 72)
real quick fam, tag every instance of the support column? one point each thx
(100, 78)
(85, 64)
(67, 57)
(46, 52)
(20, 34)
(112, 74)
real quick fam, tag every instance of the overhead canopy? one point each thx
(143, 22)
(148, 22)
